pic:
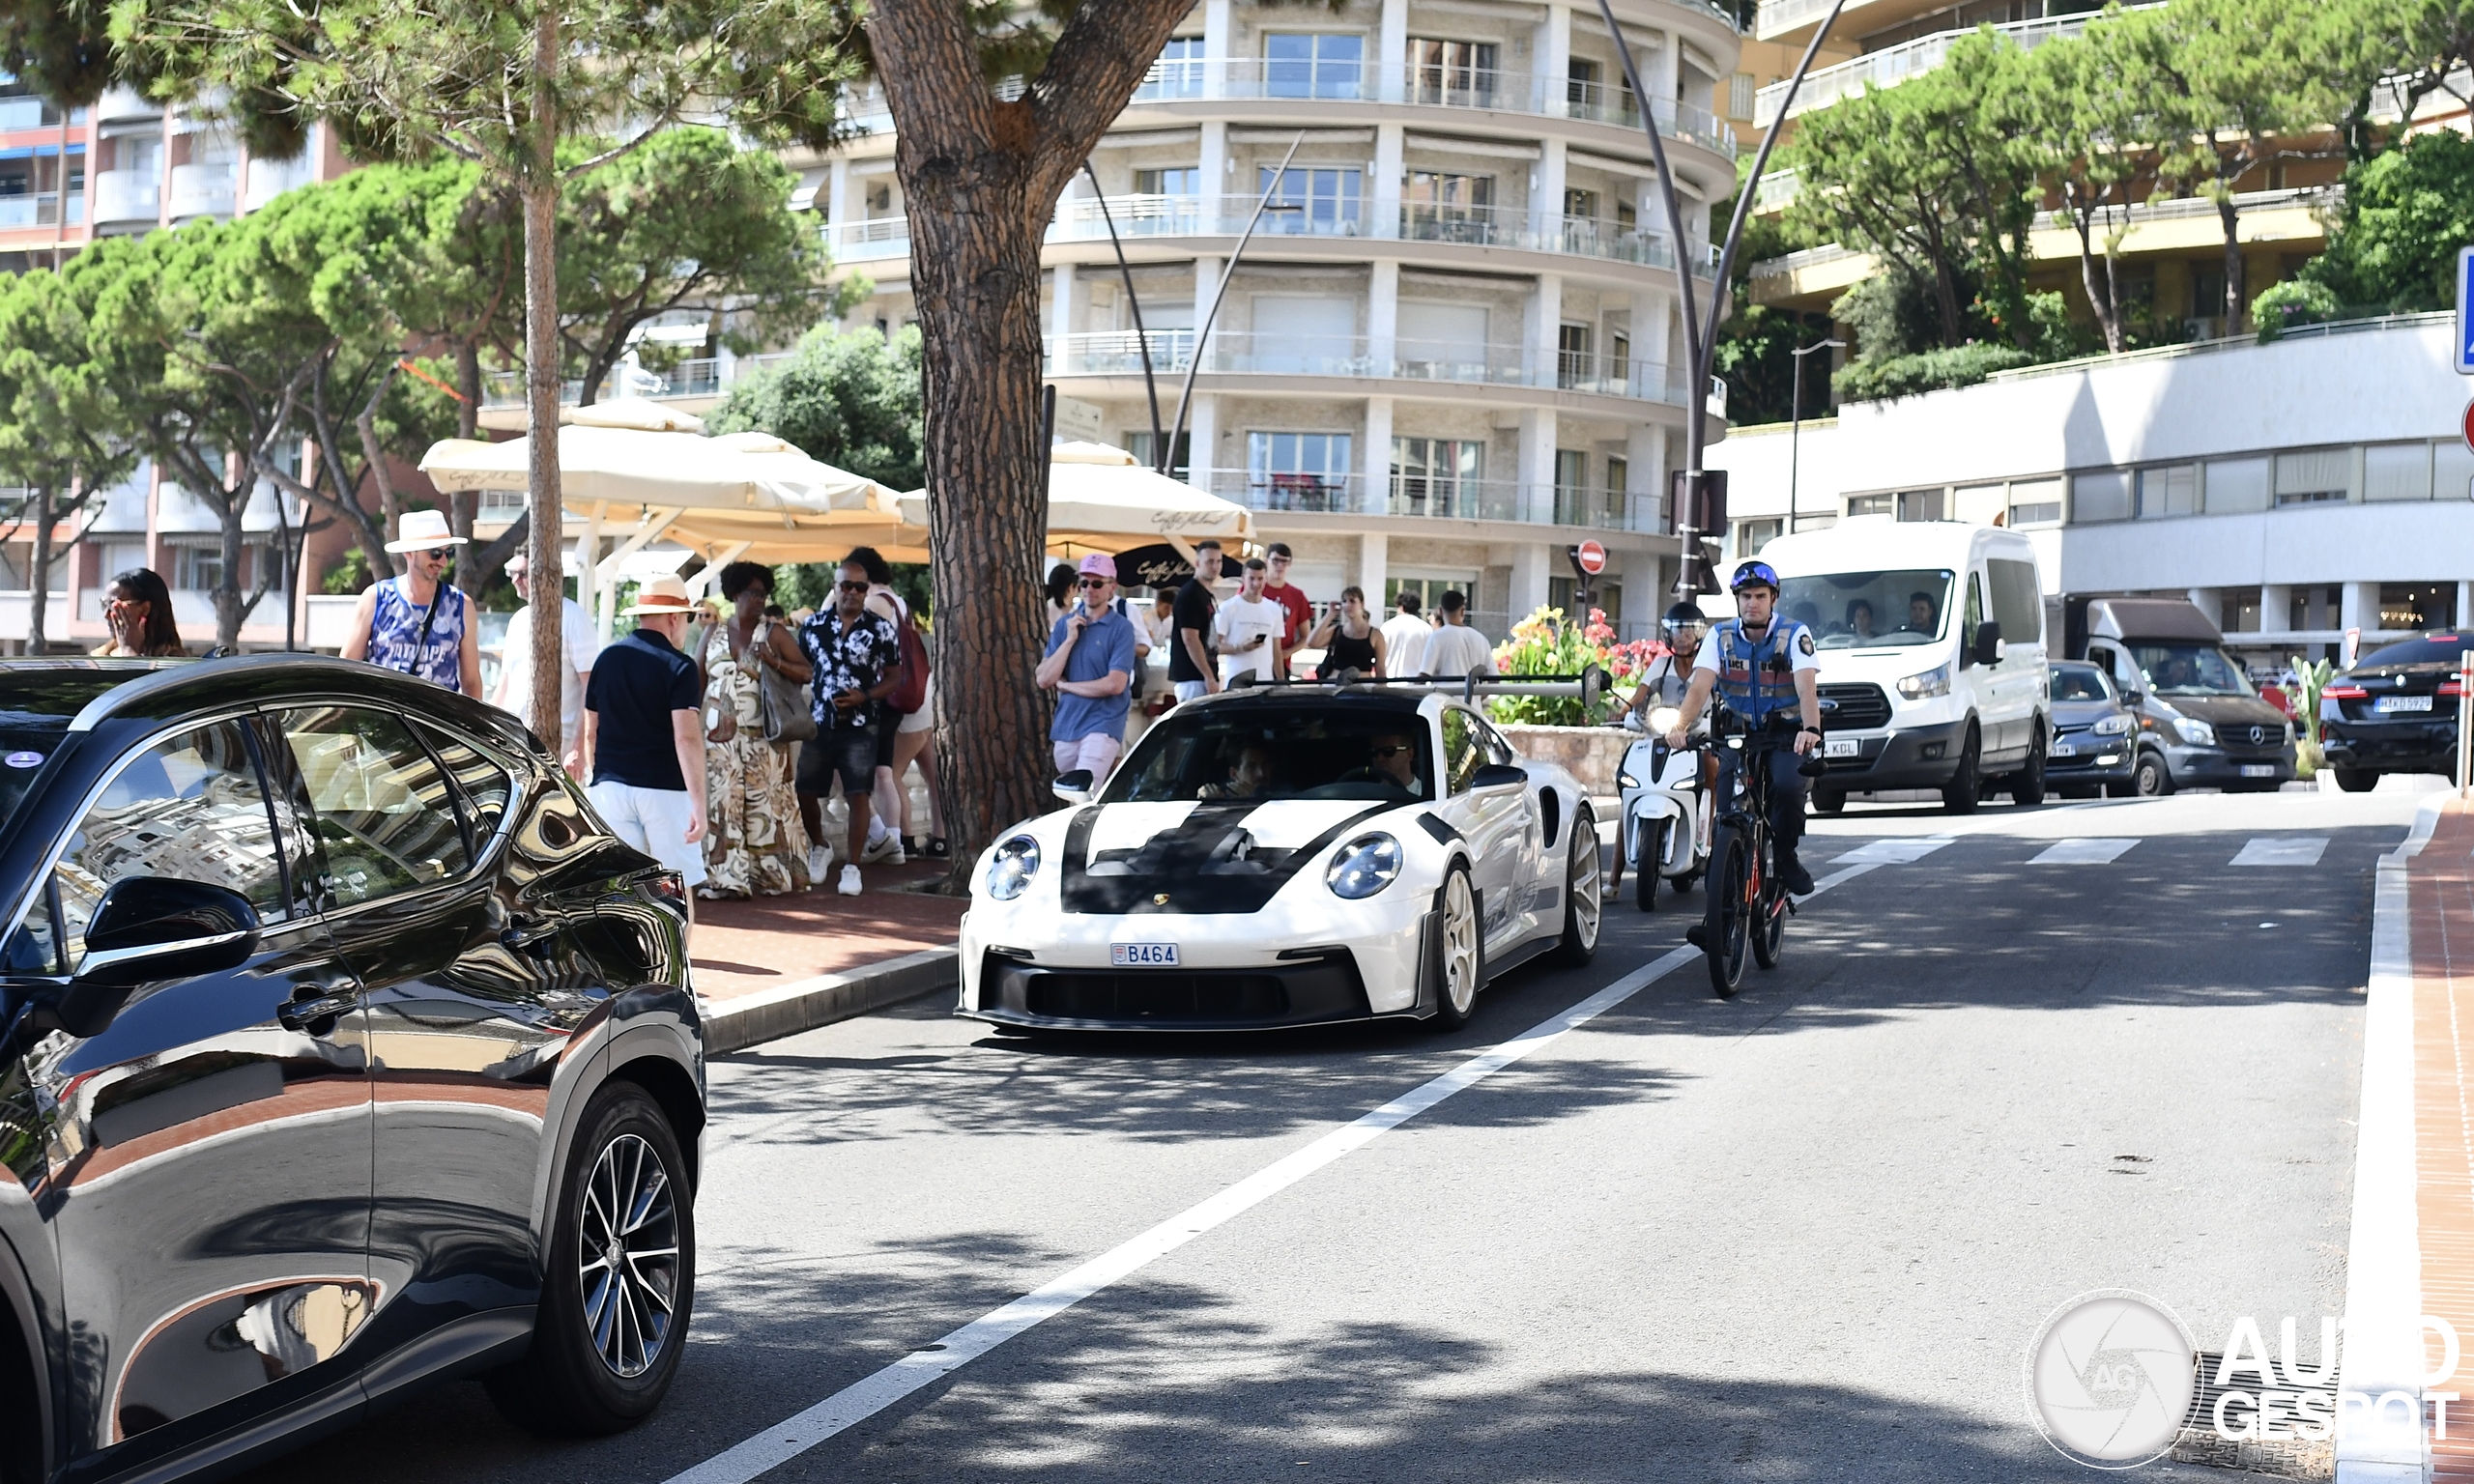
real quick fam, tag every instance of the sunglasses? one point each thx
(1093, 582)
(1390, 752)
(438, 552)
(854, 586)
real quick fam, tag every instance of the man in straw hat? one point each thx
(644, 734)
(416, 623)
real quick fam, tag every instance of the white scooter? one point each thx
(1667, 809)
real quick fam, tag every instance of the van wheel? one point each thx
(2357, 780)
(1966, 786)
(2027, 785)
(2153, 780)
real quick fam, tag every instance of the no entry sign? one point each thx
(1592, 556)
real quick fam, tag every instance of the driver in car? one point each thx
(1392, 757)
(1250, 778)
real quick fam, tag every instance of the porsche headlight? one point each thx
(2195, 734)
(1364, 867)
(1011, 870)
(1924, 687)
(2114, 725)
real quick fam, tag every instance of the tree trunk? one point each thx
(540, 185)
(2225, 213)
(42, 583)
(228, 609)
(2100, 303)
(983, 177)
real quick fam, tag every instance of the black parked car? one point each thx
(345, 1049)
(2394, 712)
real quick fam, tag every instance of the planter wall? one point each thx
(1589, 754)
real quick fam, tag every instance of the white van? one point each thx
(1931, 636)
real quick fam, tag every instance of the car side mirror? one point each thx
(1988, 643)
(147, 930)
(2134, 697)
(1075, 787)
(1498, 777)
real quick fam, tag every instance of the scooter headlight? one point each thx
(1665, 719)
(1011, 870)
(1364, 867)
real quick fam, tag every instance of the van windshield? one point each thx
(1870, 609)
(2189, 670)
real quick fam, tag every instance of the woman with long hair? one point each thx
(755, 845)
(139, 610)
(1349, 637)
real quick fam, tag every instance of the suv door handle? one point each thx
(305, 1015)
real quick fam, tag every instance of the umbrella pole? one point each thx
(1162, 457)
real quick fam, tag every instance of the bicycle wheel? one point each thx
(1728, 924)
(1769, 909)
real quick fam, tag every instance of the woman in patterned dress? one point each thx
(754, 844)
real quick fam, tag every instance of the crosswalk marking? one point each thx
(2282, 850)
(2083, 851)
(1903, 850)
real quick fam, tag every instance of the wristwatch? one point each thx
(1815, 731)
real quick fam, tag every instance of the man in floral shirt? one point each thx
(857, 659)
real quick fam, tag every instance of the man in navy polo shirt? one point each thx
(645, 736)
(1090, 665)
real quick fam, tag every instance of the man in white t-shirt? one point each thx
(1763, 663)
(1405, 639)
(578, 643)
(1452, 647)
(1247, 629)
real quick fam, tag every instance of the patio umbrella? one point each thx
(1100, 500)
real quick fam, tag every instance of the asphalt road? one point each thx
(1805, 1233)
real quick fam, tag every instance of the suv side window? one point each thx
(1464, 749)
(191, 806)
(382, 808)
(482, 782)
(1499, 748)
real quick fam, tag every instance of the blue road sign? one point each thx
(2465, 311)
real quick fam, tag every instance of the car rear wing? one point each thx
(1590, 684)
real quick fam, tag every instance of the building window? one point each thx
(1178, 74)
(2171, 490)
(2452, 470)
(1739, 92)
(1438, 476)
(1750, 536)
(1580, 204)
(1619, 475)
(2103, 495)
(2417, 605)
(1606, 595)
(2237, 486)
(197, 568)
(1320, 64)
(1439, 208)
(1581, 81)
(1868, 505)
(2035, 503)
(1310, 202)
(1458, 74)
(1178, 181)
(2323, 475)
(2238, 612)
(1920, 504)
(1140, 446)
(2396, 471)
(1297, 470)
(1573, 367)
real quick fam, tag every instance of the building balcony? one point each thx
(1891, 66)
(1435, 498)
(206, 190)
(701, 382)
(1087, 219)
(126, 196)
(1119, 354)
(1792, 21)
(122, 105)
(40, 210)
(269, 179)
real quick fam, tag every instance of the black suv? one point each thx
(344, 1048)
(2394, 712)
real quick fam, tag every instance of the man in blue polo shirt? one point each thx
(1090, 665)
(644, 738)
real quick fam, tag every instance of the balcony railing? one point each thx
(1891, 66)
(1432, 498)
(204, 189)
(1777, 16)
(707, 375)
(1250, 78)
(1118, 352)
(41, 210)
(128, 196)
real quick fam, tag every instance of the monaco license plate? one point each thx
(2388, 703)
(1842, 747)
(1143, 955)
(2259, 770)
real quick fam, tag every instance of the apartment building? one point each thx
(1452, 347)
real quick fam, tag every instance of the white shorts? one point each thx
(1193, 690)
(1095, 754)
(926, 716)
(654, 821)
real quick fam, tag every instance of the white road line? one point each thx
(2282, 850)
(1897, 850)
(2088, 851)
(864, 1398)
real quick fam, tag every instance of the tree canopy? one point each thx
(849, 399)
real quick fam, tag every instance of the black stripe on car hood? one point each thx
(1205, 862)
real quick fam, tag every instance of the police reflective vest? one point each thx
(1757, 678)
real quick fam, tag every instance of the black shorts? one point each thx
(850, 756)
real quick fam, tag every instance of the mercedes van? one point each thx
(1932, 643)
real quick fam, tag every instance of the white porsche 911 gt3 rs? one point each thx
(1288, 855)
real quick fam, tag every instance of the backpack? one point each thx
(912, 692)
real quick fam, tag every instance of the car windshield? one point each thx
(2190, 670)
(1261, 754)
(2428, 649)
(2079, 682)
(1869, 610)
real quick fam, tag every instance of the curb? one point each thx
(2384, 1351)
(769, 1014)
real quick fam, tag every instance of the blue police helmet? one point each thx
(1754, 574)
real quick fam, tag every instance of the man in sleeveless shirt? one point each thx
(417, 623)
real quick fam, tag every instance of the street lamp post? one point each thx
(1796, 420)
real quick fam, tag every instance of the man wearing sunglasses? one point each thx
(1090, 665)
(857, 660)
(416, 623)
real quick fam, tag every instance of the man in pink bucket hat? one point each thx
(1090, 665)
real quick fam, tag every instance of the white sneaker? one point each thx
(883, 850)
(819, 861)
(850, 886)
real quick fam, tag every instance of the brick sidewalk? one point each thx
(2442, 911)
(743, 947)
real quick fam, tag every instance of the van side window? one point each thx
(1975, 616)
(2018, 601)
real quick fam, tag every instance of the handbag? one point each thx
(782, 704)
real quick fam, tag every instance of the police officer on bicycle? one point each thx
(1762, 662)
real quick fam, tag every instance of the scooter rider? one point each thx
(1763, 663)
(1670, 675)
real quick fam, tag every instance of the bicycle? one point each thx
(1748, 904)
